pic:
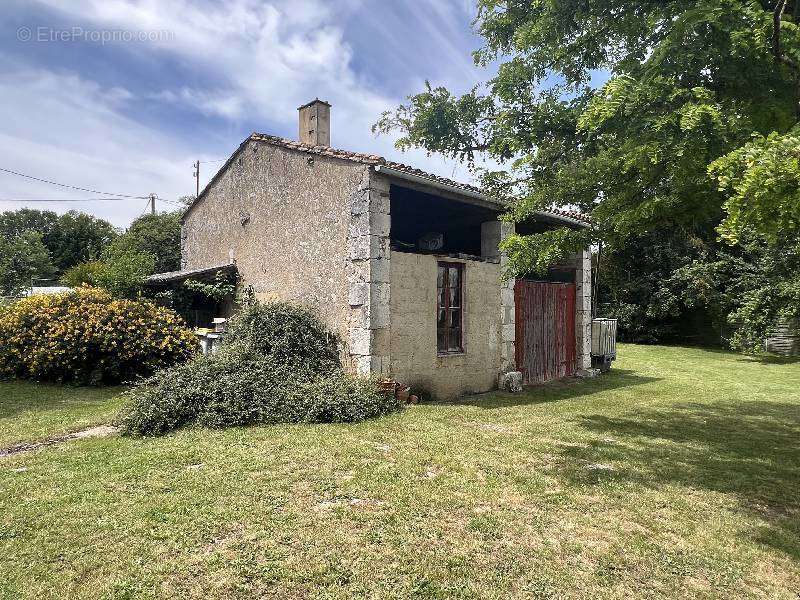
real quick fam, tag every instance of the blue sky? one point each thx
(131, 116)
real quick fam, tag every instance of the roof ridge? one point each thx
(320, 150)
(375, 159)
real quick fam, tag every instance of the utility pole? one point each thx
(197, 177)
(152, 204)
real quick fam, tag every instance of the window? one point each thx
(449, 298)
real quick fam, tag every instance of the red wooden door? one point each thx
(545, 327)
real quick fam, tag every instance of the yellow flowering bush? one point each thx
(87, 337)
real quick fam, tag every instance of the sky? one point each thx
(122, 96)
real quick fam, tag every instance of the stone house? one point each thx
(403, 264)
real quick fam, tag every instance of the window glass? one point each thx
(441, 340)
(449, 307)
(455, 280)
(455, 340)
(455, 297)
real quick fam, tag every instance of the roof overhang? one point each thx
(467, 195)
(472, 196)
(175, 276)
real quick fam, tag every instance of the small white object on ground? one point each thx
(511, 381)
(587, 373)
(599, 467)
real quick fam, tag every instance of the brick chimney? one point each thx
(315, 123)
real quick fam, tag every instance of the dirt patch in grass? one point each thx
(91, 432)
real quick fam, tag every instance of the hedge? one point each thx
(87, 337)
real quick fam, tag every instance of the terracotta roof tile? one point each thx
(370, 159)
(374, 159)
(420, 173)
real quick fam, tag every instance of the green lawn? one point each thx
(34, 411)
(678, 474)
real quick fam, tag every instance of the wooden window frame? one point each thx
(447, 266)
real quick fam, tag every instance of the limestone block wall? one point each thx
(368, 274)
(414, 359)
(492, 233)
(285, 218)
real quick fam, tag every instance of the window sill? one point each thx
(446, 354)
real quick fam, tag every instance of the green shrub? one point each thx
(168, 399)
(121, 272)
(87, 337)
(342, 398)
(285, 335)
(124, 272)
(82, 274)
(279, 365)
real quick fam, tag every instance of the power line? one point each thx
(63, 199)
(175, 202)
(118, 197)
(73, 187)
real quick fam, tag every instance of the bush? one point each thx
(342, 398)
(123, 272)
(87, 337)
(279, 365)
(285, 335)
(82, 273)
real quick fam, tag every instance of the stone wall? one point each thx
(414, 359)
(285, 218)
(492, 233)
(368, 274)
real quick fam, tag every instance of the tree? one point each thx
(78, 237)
(754, 285)
(123, 273)
(693, 84)
(639, 288)
(158, 235)
(16, 222)
(151, 244)
(762, 182)
(22, 259)
(695, 134)
(71, 238)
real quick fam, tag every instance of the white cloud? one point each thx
(264, 60)
(73, 133)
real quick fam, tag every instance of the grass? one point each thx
(676, 475)
(34, 411)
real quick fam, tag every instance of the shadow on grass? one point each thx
(17, 397)
(771, 359)
(11, 408)
(749, 449)
(564, 389)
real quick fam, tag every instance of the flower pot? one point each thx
(387, 387)
(403, 393)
